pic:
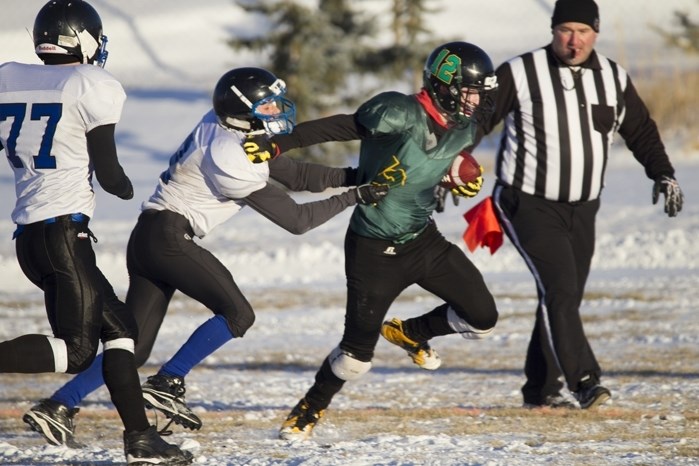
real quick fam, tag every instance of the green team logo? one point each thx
(445, 66)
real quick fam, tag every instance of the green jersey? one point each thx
(400, 149)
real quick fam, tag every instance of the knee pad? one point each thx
(80, 356)
(118, 321)
(142, 353)
(345, 366)
(239, 320)
(462, 327)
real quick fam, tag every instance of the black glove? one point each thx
(673, 194)
(259, 148)
(370, 193)
(128, 192)
(350, 176)
(440, 195)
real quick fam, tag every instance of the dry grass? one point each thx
(628, 427)
(474, 395)
(673, 100)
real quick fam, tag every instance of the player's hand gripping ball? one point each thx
(464, 177)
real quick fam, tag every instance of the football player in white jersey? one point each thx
(224, 164)
(57, 125)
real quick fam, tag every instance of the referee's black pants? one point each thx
(557, 241)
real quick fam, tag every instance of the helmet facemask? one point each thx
(282, 122)
(452, 99)
(272, 114)
(486, 101)
(102, 54)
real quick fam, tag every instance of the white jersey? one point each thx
(45, 113)
(208, 177)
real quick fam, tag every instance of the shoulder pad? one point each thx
(388, 112)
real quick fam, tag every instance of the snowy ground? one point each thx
(640, 309)
(640, 315)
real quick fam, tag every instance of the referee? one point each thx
(561, 105)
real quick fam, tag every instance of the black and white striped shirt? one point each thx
(559, 125)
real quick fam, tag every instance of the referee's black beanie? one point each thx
(576, 11)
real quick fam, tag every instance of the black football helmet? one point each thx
(240, 92)
(70, 27)
(458, 66)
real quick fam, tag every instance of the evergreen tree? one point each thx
(328, 58)
(404, 58)
(315, 52)
(687, 38)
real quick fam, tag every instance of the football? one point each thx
(464, 169)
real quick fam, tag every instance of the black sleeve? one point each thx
(505, 101)
(276, 205)
(341, 127)
(641, 136)
(304, 176)
(102, 150)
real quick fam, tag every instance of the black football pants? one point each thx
(378, 271)
(57, 256)
(162, 258)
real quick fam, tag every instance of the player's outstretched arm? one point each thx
(276, 205)
(313, 177)
(342, 127)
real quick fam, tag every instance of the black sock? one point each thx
(121, 378)
(428, 326)
(327, 384)
(28, 354)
